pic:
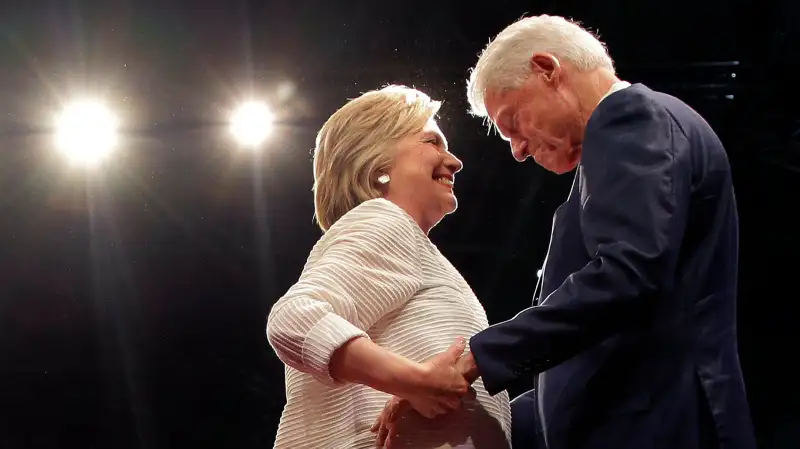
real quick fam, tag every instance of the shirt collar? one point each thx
(619, 85)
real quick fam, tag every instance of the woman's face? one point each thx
(422, 176)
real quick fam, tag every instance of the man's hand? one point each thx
(386, 424)
(441, 368)
(468, 368)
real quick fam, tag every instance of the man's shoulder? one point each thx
(633, 112)
(639, 100)
(639, 94)
(636, 100)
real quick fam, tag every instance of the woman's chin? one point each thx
(443, 211)
(451, 205)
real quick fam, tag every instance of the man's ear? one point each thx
(547, 66)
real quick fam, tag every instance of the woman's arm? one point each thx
(431, 388)
(367, 267)
(363, 362)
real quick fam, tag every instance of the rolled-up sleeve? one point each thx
(368, 267)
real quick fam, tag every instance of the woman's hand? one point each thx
(433, 387)
(440, 385)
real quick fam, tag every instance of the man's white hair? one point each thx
(505, 62)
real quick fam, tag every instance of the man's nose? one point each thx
(519, 150)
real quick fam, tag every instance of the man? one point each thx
(635, 334)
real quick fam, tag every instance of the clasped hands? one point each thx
(443, 383)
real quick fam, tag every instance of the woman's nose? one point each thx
(454, 164)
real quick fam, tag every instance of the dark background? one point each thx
(133, 297)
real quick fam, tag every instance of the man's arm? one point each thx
(634, 195)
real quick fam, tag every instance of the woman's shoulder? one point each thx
(378, 216)
(380, 208)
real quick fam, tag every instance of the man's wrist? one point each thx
(469, 367)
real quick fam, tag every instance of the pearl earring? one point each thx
(383, 179)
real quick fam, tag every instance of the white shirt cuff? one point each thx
(327, 335)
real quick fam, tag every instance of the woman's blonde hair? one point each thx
(355, 146)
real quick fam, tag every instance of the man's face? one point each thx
(541, 118)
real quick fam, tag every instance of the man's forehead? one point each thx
(496, 104)
(496, 101)
(495, 109)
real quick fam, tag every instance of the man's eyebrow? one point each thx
(493, 126)
(501, 113)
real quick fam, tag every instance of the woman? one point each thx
(377, 300)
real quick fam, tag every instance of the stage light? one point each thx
(86, 132)
(251, 123)
(538, 273)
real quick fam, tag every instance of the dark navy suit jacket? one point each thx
(635, 335)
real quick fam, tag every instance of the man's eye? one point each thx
(511, 124)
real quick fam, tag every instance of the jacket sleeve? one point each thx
(369, 268)
(634, 196)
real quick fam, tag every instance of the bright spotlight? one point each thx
(251, 123)
(86, 132)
